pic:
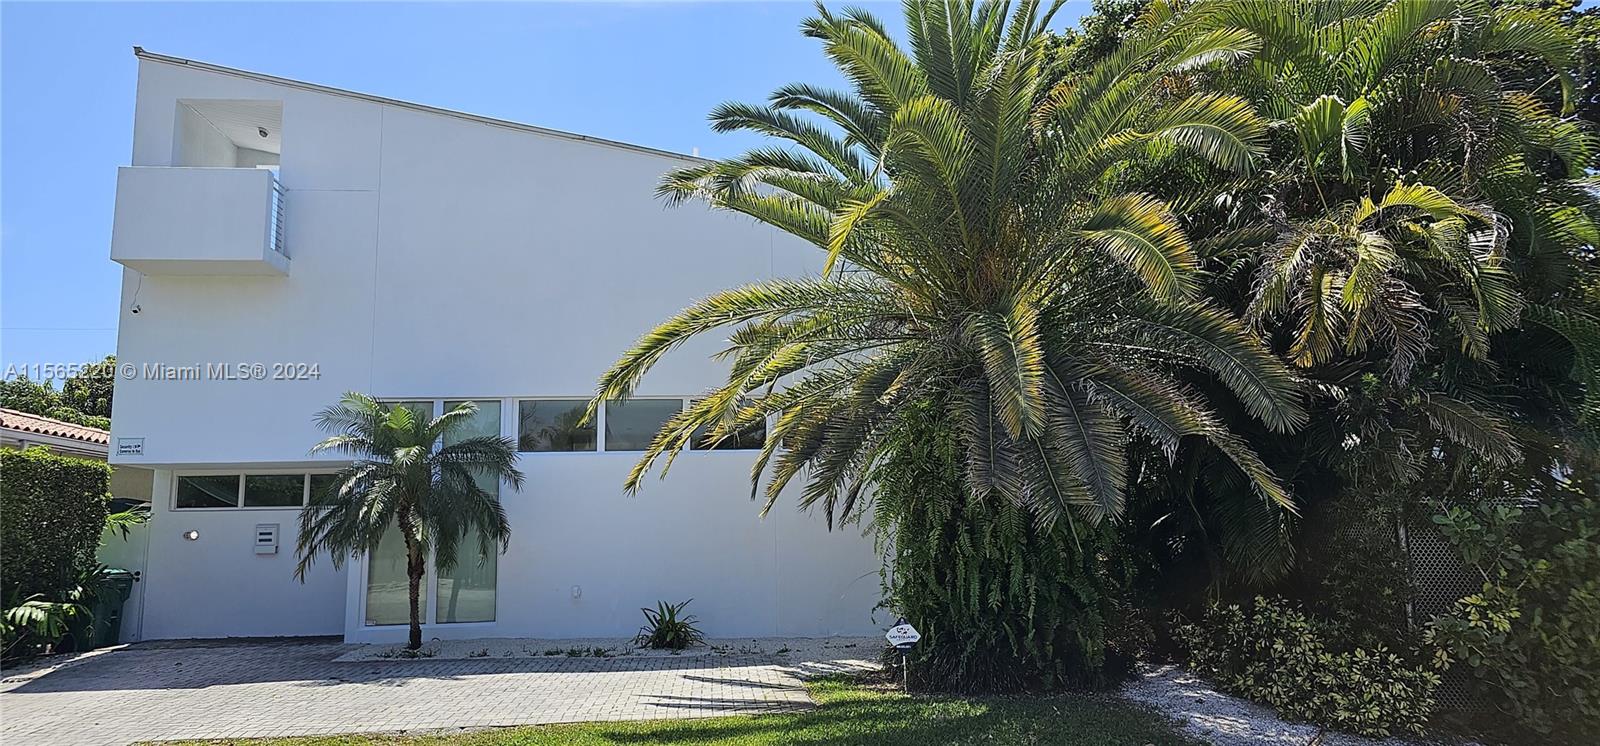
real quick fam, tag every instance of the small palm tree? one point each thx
(406, 473)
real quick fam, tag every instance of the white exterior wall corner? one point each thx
(440, 257)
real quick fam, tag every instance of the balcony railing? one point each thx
(276, 241)
(199, 221)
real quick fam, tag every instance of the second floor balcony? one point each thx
(173, 220)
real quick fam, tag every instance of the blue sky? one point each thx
(644, 73)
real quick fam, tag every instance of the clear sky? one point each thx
(644, 73)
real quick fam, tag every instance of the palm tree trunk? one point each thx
(414, 571)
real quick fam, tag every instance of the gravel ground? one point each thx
(863, 650)
(1228, 721)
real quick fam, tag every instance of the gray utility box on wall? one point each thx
(266, 538)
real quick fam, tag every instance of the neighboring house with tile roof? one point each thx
(20, 430)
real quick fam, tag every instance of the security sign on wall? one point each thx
(902, 635)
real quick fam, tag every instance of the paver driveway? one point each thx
(279, 689)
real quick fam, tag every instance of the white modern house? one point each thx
(285, 242)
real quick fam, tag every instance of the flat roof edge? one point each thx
(143, 54)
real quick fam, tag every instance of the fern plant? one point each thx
(666, 627)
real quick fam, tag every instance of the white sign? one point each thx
(903, 635)
(130, 446)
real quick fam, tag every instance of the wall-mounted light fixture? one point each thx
(191, 534)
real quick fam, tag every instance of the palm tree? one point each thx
(407, 473)
(981, 253)
(1413, 185)
(1418, 241)
(1432, 207)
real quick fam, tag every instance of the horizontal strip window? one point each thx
(269, 490)
(552, 425)
(556, 424)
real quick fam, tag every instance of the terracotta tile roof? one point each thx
(11, 419)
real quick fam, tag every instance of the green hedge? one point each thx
(52, 510)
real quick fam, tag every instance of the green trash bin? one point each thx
(114, 589)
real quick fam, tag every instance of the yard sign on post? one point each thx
(903, 637)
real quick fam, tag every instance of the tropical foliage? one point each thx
(1192, 266)
(34, 624)
(411, 475)
(978, 257)
(1418, 242)
(1002, 604)
(1530, 638)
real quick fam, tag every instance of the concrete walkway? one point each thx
(158, 691)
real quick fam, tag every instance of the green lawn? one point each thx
(848, 713)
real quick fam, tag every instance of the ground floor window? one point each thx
(248, 490)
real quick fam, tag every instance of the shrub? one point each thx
(1002, 605)
(1277, 655)
(668, 628)
(52, 512)
(1531, 638)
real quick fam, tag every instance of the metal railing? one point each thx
(277, 216)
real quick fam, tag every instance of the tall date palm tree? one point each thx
(409, 474)
(980, 253)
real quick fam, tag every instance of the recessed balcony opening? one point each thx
(228, 133)
(218, 209)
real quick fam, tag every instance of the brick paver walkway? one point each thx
(279, 689)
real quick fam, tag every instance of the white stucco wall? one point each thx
(436, 257)
(217, 586)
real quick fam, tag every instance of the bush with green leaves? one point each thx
(1002, 604)
(1274, 653)
(1531, 637)
(52, 512)
(666, 627)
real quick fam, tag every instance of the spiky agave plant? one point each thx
(979, 254)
